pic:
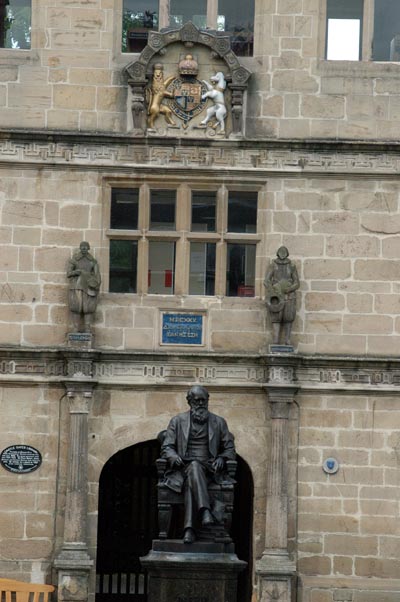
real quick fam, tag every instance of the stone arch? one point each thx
(127, 522)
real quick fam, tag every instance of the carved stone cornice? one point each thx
(277, 374)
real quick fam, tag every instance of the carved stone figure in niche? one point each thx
(157, 92)
(215, 91)
(197, 445)
(281, 282)
(84, 283)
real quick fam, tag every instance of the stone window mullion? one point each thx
(212, 14)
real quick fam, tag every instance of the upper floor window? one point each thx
(386, 43)
(344, 29)
(182, 241)
(232, 17)
(358, 30)
(15, 24)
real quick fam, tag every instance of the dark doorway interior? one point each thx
(127, 523)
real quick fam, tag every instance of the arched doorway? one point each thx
(127, 523)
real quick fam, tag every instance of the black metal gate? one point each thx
(127, 522)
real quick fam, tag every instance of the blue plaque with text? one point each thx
(182, 329)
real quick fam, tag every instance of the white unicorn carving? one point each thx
(216, 93)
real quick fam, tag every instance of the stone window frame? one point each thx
(366, 33)
(365, 67)
(17, 56)
(182, 234)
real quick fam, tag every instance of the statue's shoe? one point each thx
(189, 536)
(207, 518)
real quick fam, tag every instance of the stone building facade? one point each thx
(315, 142)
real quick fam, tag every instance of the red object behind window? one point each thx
(245, 291)
(168, 279)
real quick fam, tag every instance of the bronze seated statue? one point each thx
(196, 474)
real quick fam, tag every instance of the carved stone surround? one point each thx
(258, 157)
(139, 71)
(308, 373)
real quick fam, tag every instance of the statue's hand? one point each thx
(218, 464)
(178, 462)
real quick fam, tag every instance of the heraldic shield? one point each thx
(186, 97)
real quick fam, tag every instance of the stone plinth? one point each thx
(199, 572)
(276, 575)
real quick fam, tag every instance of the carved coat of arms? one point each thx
(184, 96)
(187, 101)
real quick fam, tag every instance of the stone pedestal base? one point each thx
(276, 575)
(73, 567)
(191, 573)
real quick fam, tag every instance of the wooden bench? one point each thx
(18, 591)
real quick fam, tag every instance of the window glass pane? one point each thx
(202, 268)
(203, 211)
(138, 18)
(240, 270)
(182, 11)
(161, 274)
(343, 30)
(237, 19)
(386, 46)
(242, 212)
(162, 210)
(15, 24)
(124, 208)
(343, 40)
(123, 266)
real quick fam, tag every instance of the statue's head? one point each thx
(84, 247)
(197, 398)
(282, 253)
(158, 68)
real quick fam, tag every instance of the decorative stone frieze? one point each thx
(308, 373)
(259, 156)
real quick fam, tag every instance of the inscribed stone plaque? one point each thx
(20, 458)
(182, 329)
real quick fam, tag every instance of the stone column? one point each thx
(276, 568)
(73, 562)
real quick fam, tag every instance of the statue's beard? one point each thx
(199, 415)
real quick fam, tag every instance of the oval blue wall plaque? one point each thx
(20, 458)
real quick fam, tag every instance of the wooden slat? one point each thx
(22, 590)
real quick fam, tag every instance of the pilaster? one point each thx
(73, 562)
(277, 568)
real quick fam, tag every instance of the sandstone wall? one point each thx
(348, 531)
(72, 78)
(342, 232)
(30, 416)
